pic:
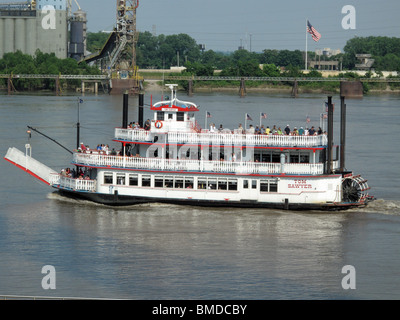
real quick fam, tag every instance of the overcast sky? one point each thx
(224, 25)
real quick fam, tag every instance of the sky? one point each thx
(224, 25)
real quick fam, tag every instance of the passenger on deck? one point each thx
(147, 125)
(274, 130)
(240, 128)
(212, 127)
(221, 128)
(295, 132)
(311, 132)
(301, 131)
(319, 131)
(267, 131)
(279, 131)
(287, 130)
(251, 129)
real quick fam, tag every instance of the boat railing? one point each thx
(72, 183)
(247, 139)
(132, 134)
(236, 167)
(225, 138)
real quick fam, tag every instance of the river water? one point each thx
(180, 252)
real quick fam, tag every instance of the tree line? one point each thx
(160, 52)
(41, 63)
(164, 51)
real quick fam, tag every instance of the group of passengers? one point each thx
(76, 174)
(136, 125)
(271, 131)
(101, 149)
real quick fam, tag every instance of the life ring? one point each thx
(158, 124)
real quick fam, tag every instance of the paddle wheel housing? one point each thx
(354, 189)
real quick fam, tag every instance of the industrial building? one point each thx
(42, 24)
(52, 27)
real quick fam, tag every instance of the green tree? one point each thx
(271, 70)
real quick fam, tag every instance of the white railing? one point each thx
(226, 138)
(132, 134)
(72, 183)
(238, 167)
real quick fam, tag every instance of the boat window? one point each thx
(133, 180)
(232, 185)
(266, 157)
(160, 115)
(108, 178)
(294, 158)
(189, 183)
(273, 187)
(254, 184)
(212, 184)
(276, 157)
(180, 116)
(245, 184)
(121, 179)
(158, 182)
(222, 184)
(146, 181)
(304, 157)
(169, 182)
(264, 185)
(178, 183)
(170, 116)
(202, 184)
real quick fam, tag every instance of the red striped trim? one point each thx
(28, 171)
(211, 173)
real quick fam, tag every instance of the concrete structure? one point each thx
(324, 65)
(34, 25)
(366, 62)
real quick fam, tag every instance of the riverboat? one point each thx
(171, 159)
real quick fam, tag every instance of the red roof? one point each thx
(167, 107)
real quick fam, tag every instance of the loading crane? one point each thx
(118, 54)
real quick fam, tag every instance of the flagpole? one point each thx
(260, 119)
(245, 122)
(306, 46)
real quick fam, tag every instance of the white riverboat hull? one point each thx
(292, 192)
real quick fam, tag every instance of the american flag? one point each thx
(314, 33)
(263, 115)
(248, 117)
(208, 115)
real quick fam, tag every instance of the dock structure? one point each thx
(105, 80)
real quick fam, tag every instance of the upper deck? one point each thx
(174, 123)
(220, 138)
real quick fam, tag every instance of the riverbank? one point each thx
(157, 85)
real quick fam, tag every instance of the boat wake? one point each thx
(58, 197)
(381, 206)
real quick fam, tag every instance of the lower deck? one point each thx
(203, 189)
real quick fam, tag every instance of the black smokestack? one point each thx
(342, 134)
(330, 135)
(141, 104)
(125, 111)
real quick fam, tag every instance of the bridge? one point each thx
(106, 78)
